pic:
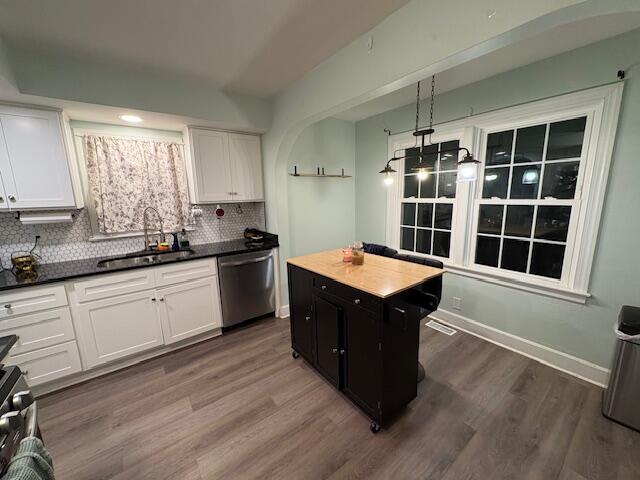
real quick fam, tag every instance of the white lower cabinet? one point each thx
(108, 317)
(120, 325)
(117, 327)
(189, 308)
(48, 364)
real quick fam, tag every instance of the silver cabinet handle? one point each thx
(307, 318)
(12, 198)
(323, 287)
(357, 301)
(334, 350)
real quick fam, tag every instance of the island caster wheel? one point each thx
(374, 427)
(295, 354)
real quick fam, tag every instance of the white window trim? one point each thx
(78, 134)
(602, 104)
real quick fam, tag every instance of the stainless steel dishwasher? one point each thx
(247, 286)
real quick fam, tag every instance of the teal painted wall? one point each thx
(585, 331)
(409, 44)
(321, 210)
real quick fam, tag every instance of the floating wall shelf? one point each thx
(319, 173)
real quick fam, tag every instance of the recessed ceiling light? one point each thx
(131, 118)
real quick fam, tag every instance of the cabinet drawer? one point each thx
(39, 330)
(112, 285)
(47, 364)
(29, 300)
(348, 294)
(183, 271)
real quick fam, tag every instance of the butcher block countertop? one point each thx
(380, 276)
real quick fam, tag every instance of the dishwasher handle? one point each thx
(239, 263)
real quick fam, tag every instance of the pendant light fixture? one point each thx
(467, 167)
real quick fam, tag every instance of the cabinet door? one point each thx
(328, 321)
(4, 201)
(211, 165)
(363, 359)
(189, 309)
(35, 170)
(117, 327)
(246, 167)
(302, 335)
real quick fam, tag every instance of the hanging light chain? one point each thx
(433, 89)
(417, 111)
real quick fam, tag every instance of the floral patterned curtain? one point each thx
(127, 175)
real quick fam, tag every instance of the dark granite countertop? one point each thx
(58, 272)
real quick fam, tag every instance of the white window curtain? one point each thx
(126, 175)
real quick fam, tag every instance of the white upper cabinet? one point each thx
(246, 167)
(211, 172)
(224, 167)
(34, 167)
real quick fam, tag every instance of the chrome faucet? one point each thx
(146, 227)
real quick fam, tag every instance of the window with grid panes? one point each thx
(528, 197)
(427, 205)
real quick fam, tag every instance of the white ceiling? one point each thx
(254, 47)
(554, 42)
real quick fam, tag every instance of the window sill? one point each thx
(539, 288)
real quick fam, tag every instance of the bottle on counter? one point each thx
(184, 239)
(357, 255)
(347, 254)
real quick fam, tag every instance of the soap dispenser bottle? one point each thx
(176, 242)
(184, 240)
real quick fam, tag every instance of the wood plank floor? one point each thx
(239, 407)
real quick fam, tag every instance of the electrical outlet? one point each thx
(457, 303)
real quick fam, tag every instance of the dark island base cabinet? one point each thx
(366, 346)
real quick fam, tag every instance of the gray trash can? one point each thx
(622, 398)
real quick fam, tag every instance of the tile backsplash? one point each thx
(62, 242)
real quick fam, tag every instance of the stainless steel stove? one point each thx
(18, 414)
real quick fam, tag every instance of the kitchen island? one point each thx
(359, 326)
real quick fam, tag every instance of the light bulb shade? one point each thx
(468, 169)
(388, 180)
(387, 170)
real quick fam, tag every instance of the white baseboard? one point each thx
(283, 311)
(564, 362)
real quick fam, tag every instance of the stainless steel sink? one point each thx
(144, 258)
(168, 256)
